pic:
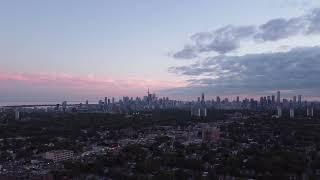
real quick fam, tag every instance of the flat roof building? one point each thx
(59, 155)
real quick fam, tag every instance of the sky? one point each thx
(79, 49)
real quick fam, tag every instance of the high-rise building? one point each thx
(226, 100)
(269, 99)
(294, 99)
(64, 106)
(199, 110)
(278, 97)
(16, 115)
(149, 97)
(261, 100)
(218, 100)
(310, 111)
(291, 112)
(299, 99)
(202, 98)
(238, 99)
(284, 100)
(279, 111)
(273, 99)
(57, 107)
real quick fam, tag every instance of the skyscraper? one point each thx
(64, 106)
(202, 98)
(199, 109)
(218, 100)
(310, 111)
(148, 93)
(278, 97)
(273, 99)
(106, 101)
(294, 99)
(279, 110)
(299, 99)
(291, 112)
(16, 114)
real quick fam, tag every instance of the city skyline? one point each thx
(78, 50)
(275, 98)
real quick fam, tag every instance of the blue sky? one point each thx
(106, 40)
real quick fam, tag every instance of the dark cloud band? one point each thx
(296, 69)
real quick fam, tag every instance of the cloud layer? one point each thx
(227, 39)
(293, 70)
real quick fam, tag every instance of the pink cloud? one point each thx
(90, 84)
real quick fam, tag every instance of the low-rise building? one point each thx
(59, 155)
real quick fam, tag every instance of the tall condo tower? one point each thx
(278, 97)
